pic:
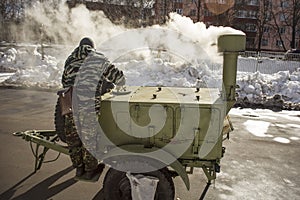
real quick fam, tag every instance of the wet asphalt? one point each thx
(252, 168)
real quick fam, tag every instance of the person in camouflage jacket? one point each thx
(85, 70)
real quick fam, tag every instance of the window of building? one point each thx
(217, 1)
(279, 43)
(284, 4)
(282, 30)
(268, 16)
(241, 14)
(268, 4)
(264, 42)
(266, 29)
(253, 2)
(252, 14)
(282, 17)
(250, 27)
(193, 12)
(179, 11)
(207, 13)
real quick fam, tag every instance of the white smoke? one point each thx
(70, 25)
(173, 54)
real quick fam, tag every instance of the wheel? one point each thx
(59, 122)
(116, 185)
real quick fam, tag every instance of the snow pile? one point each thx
(256, 85)
(33, 71)
(278, 90)
(31, 68)
(158, 72)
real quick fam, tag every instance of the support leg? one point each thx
(39, 158)
(205, 190)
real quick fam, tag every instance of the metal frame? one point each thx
(44, 139)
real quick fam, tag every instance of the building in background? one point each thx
(270, 25)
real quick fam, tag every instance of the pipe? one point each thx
(230, 45)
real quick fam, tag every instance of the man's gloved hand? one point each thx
(121, 81)
(106, 86)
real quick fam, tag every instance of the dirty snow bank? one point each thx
(281, 89)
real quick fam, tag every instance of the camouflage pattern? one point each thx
(73, 64)
(87, 90)
(79, 155)
(89, 82)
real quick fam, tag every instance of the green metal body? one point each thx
(121, 113)
(181, 105)
(140, 101)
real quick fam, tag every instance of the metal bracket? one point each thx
(196, 141)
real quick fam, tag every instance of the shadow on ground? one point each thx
(41, 190)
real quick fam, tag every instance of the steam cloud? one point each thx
(70, 25)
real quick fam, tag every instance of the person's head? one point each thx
(87, 41)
